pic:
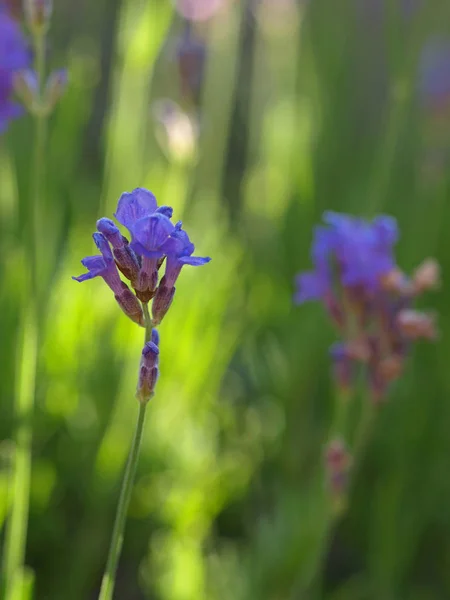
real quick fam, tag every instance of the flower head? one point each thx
(14, 56)
(154, 238)
(367, 297)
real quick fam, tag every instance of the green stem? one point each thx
(40, 119)
(148, 322)
(16, 529)
(115, 547)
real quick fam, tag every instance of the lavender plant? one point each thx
(154, 240)
(39, 98)
(370, 301)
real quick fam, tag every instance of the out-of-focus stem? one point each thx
(16, 529)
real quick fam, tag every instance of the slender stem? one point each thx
(16, 530)
(115, 547)
(38, 165)
(148, 322)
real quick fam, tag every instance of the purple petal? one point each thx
(134, 206)
(150, 233)
(310, 286)
(386, 230)
(102, 244)
(95, 266)
(107, 227)
(165, 210)
(194, 261)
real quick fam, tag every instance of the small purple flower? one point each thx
(105, 267)
(355, 251)
(179, 253)
(151, 234)
(367, 297)
(14, 56)
(135, 205)
(154, 239)
(434, 73)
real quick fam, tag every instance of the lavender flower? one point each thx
(434, 74)
(367, 297)
(179, 253)
(154, 239)
(105, 267)
(191, 57)
(14, 56)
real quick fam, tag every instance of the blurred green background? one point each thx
(303, 106)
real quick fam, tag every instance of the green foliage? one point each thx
(303, 109)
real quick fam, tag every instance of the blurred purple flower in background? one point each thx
(199, 10)
(191, 59)
(14, 56)
(367, 297)
(434, 74)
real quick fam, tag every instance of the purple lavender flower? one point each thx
(14, 56)
(367, 297)
(179, 251)
(434, 73)
(105, 267)
(360, 251)
(191, 56)
(154, 239)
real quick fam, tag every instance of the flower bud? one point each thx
(415, 324)
(155, 336)
(130, 305)
(338, 463)
(343, 367)
(124, 256)
(426, 276)
(161, 302)
(148, 372)
(26, 88)
(54, 89)
(37, 15)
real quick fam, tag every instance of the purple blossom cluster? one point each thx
(368, 298)
(14, 56)
(154, 240)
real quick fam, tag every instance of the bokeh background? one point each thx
(250, 118)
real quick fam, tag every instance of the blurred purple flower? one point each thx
(14, 56)
(434, 73)
(361, 250)
(199, 10)
(191, 57)
(367, 297)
